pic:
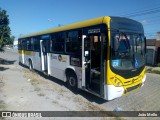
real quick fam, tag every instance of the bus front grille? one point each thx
(133, 88)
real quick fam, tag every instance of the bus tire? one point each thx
(30, 65)
(72, 80)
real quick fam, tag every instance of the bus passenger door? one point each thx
(86, 60)
(43, 55)
(93, 63)
(83, 63)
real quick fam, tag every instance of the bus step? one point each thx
(95, 91)
(96, 81)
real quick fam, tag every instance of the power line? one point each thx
(144, 13)
(155, 5)
(151, 17)
(141, 11)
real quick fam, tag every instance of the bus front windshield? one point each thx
(127, 50)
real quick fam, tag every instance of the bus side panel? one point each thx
(58, 64)
(21, 56)
(36, 61)
(28, 55)
(78, 71)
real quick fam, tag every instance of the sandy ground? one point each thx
(23, 90)
(31, 92)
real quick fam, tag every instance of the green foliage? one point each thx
(156, 71)
(158, 65)
(10, 40)
(5, 31)
(150, 70)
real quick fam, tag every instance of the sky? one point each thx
(29, 16)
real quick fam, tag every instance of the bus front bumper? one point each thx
(112, 92)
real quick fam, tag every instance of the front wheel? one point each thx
(72, 80)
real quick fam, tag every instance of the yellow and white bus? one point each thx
(104, 56)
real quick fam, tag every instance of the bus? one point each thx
(104, 56)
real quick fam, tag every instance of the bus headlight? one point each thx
(119, 84)
(116, 82)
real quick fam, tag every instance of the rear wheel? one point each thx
(30, 65)
(72, 80)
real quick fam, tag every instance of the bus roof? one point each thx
(118, 23)
(95, 21)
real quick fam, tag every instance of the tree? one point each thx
(11, 40)
(5, 31)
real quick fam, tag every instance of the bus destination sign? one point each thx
(94, 31)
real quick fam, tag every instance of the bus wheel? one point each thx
(72, 80)
(30, 65)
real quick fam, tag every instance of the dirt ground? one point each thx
(23, 90)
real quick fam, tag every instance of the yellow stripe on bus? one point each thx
(21, 51)
(26, 52)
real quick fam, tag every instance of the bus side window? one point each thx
(29, 44)
(73, 42)
(57, 41)
(19, 44)
(36, 44)
(24, 44)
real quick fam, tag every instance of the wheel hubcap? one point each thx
(72, 81)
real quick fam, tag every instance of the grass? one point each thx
(34, 83)
(150, 70)
(2, 105)
(34, 80)
(158, 65)
(156, 71)
(41, 94)
(37, 88)
(55, 102)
